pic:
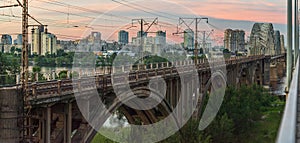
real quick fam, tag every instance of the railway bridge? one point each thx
(69, 111)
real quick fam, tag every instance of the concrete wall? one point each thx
(10, 106)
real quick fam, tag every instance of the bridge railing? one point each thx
(61, 87)
(287, 132)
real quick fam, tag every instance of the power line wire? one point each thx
(81, 8)
(151, 9)
(152, 13)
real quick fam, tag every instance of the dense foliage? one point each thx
(248, 114)
(9, 67)
(61, 58)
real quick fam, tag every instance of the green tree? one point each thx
(12, 49)
(154, 59)
(9, 68)
(226, 51)
(63, 74)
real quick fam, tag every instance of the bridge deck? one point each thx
(58, 88)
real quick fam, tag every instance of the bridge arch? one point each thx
(146, 117)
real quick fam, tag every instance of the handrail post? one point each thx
(59, 87)
(34, 93)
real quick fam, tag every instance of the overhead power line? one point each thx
(5, 6)
(152, 13)
(66, 5)
(138, 5)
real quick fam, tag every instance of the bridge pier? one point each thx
(68, 123)
(48, 125)
(266, 71)
(274, 71)
(10, 125)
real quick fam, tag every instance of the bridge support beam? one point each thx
(10, 101)
(68, 123)
(48, 125)
(266, 72)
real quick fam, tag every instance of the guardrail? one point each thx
(287, 132)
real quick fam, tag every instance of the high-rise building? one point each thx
(151, 44)
(123, 37)
(43, 42)
(161, 38)
(139, 34)
(6, 39)
(18, 41)
(234, 40)
(49, 43)
(138, 40)
(95, 37)
(92, 39)
(189, 39)
(36, 43)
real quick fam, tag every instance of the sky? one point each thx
(74, 19)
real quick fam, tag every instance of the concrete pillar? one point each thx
(68, 123)
(274, 73)
(48, 125)
(10, 101)
(171, 93)
(177, 97)
(40, 135)
(266, 72)
(43, 127)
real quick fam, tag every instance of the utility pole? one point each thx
(27, 128)
(196, 21)
(142, 23)
(24, 77)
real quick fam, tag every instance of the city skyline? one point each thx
(76, 24)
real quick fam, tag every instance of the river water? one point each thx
(278, 87)
(50, 69)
